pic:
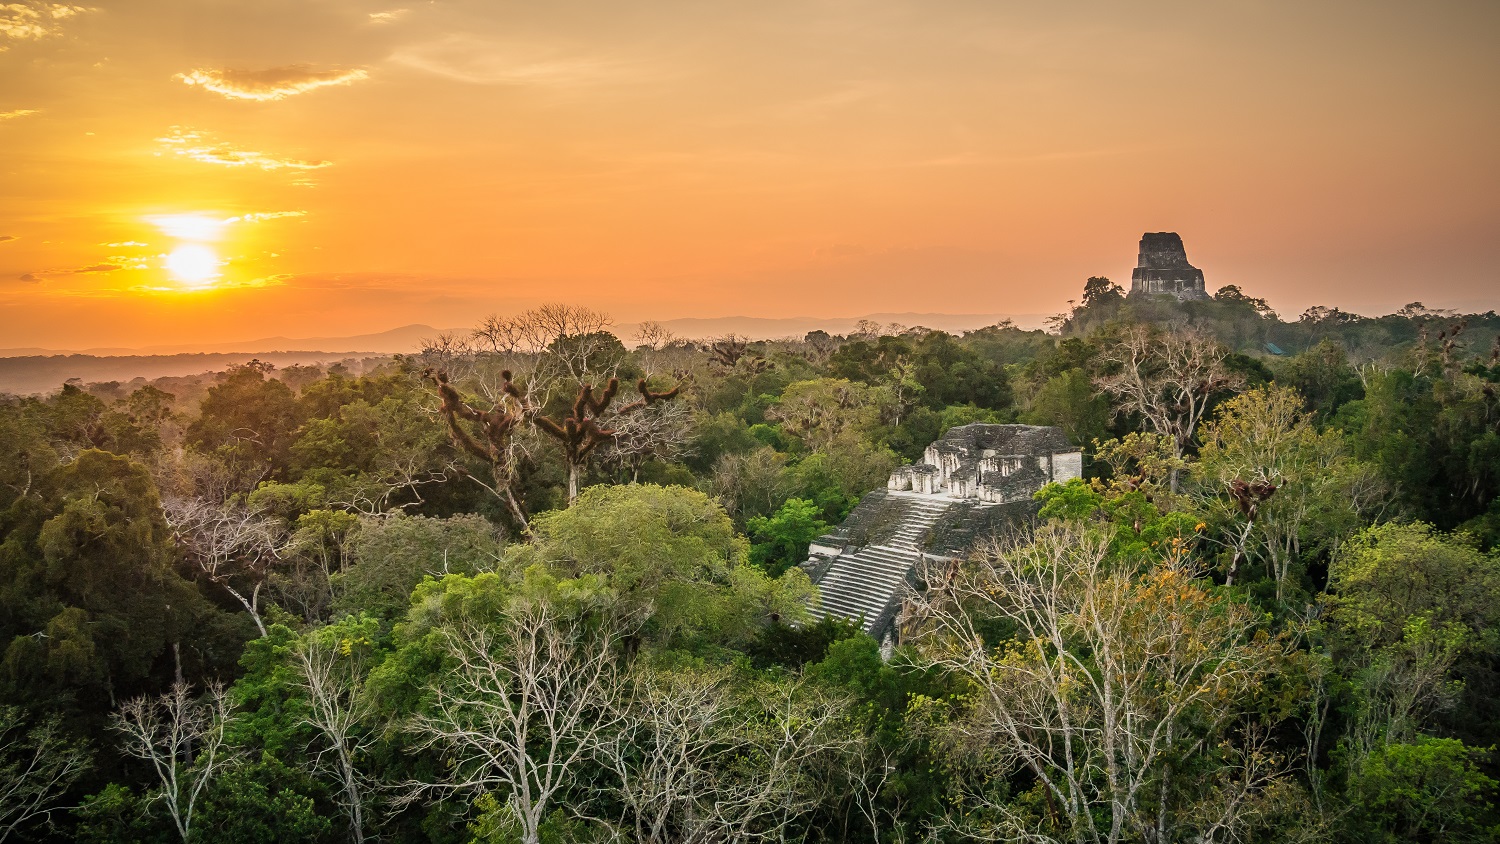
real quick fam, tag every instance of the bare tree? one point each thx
(529, 692)
(37, 767)
(592, 423)
(703, 757)
(659, 432)
(1112, 680)
(549, 347)
(1169, 378)
(333, 679)
(230, 543)
(545, 353)
(726, 351)
(489, 435)
(183, 739)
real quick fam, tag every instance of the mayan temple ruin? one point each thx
(974, 483)
(1163, 269)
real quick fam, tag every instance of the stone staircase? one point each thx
(866, 585)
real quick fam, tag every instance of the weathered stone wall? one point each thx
(1163, 269)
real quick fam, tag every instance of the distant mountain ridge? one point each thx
(408, 338)
(404, 339)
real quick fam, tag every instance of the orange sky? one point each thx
(187, 171)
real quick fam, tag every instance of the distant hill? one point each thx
(403, 339)
(30, 374)
(763, 328)
(35, 370)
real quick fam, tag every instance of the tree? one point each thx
(1119, 695)
(704, 756)
(332, 665)
(1405, 604)
(590, 424)
(1101, 291)
(528, 686)
(37, 767)
(182, 739)
(667, 551)
(229, 543)
(490, 435)
(392, 554)
(817, 412)
(1069, 401)
(248, 419)
(90, 604)
(1169, 378)
(1278, 483)
(1431, 790)
(781, 541)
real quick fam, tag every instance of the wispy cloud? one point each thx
(387, 17)
(484, 62)
(31, 20)
(42, 275)
(276, 83)
(199, 146)
(7, 238)
(20, 112)
(265, 215)
(206, 227)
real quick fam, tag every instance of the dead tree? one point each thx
(231, 544)
(492, 438)
(1169, 379)
(37, 768)
(581, 431)
(727, 350)
(183, 739)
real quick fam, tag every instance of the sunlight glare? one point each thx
(193, 264)
(200, 227)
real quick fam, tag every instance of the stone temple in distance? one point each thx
(975, 483)
(1163, 269)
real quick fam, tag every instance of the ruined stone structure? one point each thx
(975, 483)
(997, 464)
(1163, 269)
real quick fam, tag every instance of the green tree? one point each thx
(94, 608)
(391, 555)
(780, 541)
(1430, 790)
(671, 549)
(248, 419)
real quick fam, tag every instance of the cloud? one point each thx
(20, 112)
(265, 215)
(7, 238)
(41, 275)
(200, 146)
(30, 278)
(387, 17)
(483, 62)
(32, 20)
(275, 83)
(205, 227)
(125, 244)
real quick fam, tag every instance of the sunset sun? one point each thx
(193, 264)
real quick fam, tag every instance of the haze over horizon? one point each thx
(189, 173)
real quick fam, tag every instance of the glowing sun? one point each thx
(193, 264)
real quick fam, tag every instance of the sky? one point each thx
(184, 171)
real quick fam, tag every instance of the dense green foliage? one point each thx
(1271, 610)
